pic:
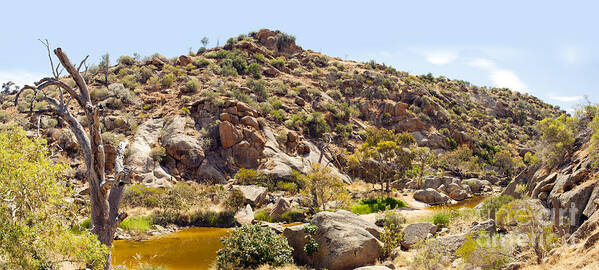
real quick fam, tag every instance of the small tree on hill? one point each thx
(322, 187)
(388, 153)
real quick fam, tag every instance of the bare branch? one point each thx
(82, 63)
(47, 44)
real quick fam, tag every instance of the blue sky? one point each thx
(545, 48)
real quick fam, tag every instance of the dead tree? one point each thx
(105, 191)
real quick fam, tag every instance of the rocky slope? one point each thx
(204, 115)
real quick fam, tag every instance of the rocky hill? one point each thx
(263, 102)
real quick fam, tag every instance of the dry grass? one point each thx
(571, 257)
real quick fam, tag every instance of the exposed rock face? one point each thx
(431, 196)
(148, 171)
(245, 215)
(416, 233)
(486, 226)
(229, 135)
(254, 195)
(185, 149)
(282, 205)
(345, 241)
(274, 41)
(280, 165)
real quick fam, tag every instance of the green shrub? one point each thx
(258, 87)
(251, 246)
(278, 115)
(293, 215)
(191, 86)
(138, 224)
(441, 219)
(255, 70)
(278, 62)
(99, 94)
(235, 199)
(138, 195)
(288, 186)
(113, 138)
(157, 153)
(391, 218)
(145, 73)
(201, 62)
(167, 80)
(262, 215)
(557, 137)
(247, 176)
(367, 206)
(486, 252)
(284, 39)
(199, 218)
(316, 125)
(490, 205)
(126, 60)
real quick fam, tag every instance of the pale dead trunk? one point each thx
(105, 192)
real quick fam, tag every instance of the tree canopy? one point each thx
(35, 213)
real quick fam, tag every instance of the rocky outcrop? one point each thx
(282, 205)
(245, 215)
(431, 196)
(345, 241)
(254, 195)
(416, 233)
(280, 164)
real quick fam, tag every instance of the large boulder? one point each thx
(431, 196)
(229, 135)
(477, 185)
(345, 241)
(245, 215)
(254, 195)
(183, 148)
(282, 205)
(416, 233)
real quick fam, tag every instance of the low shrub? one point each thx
(251, 246)
(441, 219)
(199, 218)
(391, 218)
(99, 94)
(138, 195)
(138, 224)
(126, 60)
(293, 215)
(191, 86)
(367, 206)
(490, 206)
(316, 125)
(235, 199)
(262, 215)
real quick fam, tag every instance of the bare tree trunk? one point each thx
(105, 192)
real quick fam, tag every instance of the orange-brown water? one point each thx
(467, 203)
(193, 248)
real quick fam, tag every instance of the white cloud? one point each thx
(567, 98)
(503, 78)
(507, 79)
(440, 57)
(20, 77)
